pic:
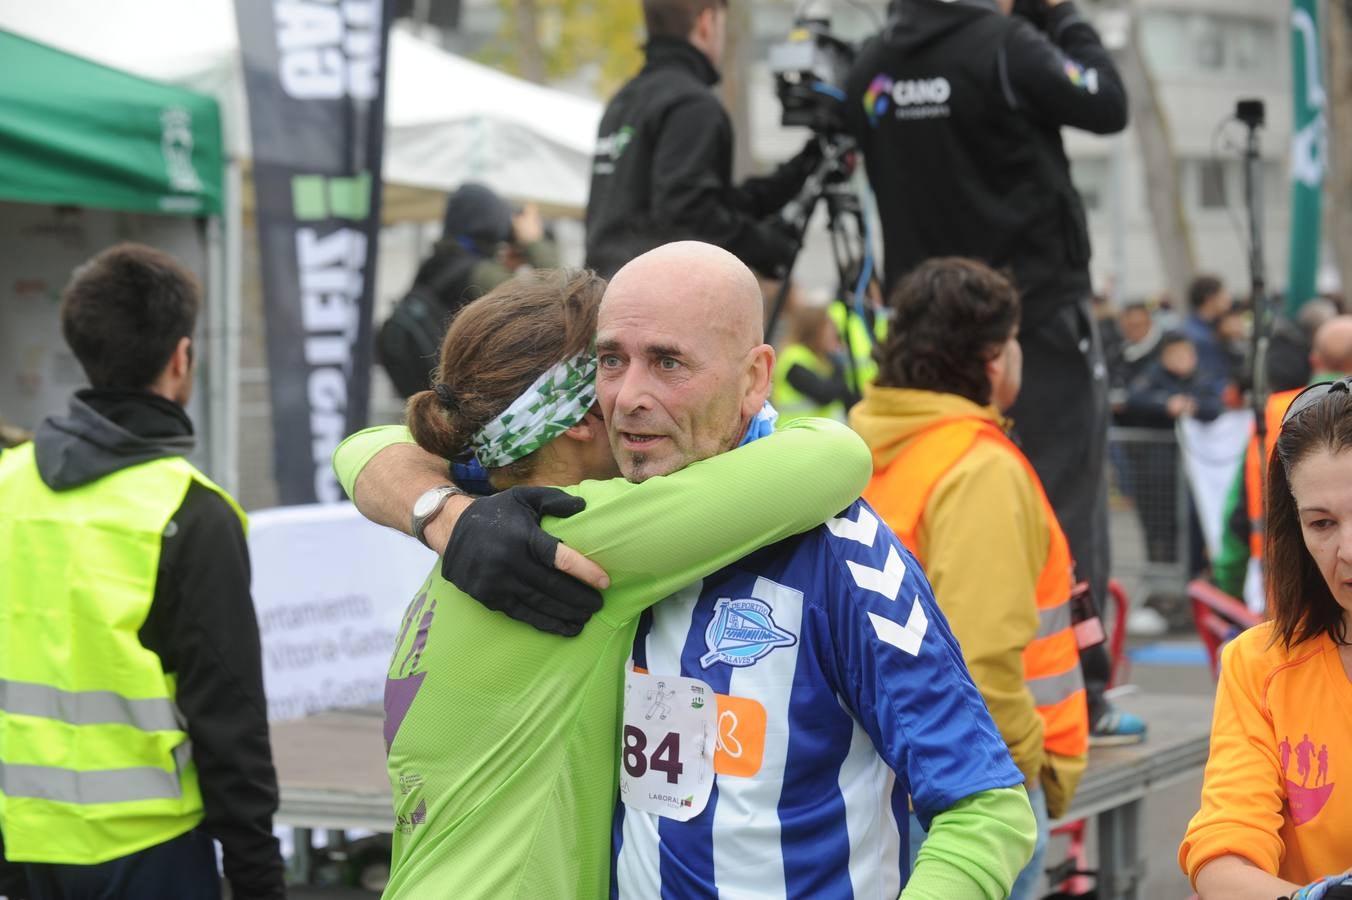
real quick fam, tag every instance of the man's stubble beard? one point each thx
(639, 461)
(636, 474)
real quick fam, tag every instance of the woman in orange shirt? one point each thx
(1276, 808)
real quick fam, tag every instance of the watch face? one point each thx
(427, 502)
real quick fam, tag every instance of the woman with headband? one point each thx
(1276, 814)
(501, 738)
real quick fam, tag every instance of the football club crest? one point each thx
(741, 632)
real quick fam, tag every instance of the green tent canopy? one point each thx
(73, 132)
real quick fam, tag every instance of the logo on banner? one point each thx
(176, 147)
(742, 632)
(332, 278)
(329, 50)
(1309, 145)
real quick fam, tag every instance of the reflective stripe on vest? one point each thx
(87, 707)
(854, 336)
(1253, 478)
(1051, 661)
(95, 761)
(98, 786)
(1053, 619)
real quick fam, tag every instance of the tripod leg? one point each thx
(782, 295)
(849, 270)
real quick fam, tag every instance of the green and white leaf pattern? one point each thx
(555, 402)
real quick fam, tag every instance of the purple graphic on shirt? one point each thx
(401, 692)
(1284, 749)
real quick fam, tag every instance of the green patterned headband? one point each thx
(557, 401)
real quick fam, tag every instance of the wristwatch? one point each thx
(428, 505)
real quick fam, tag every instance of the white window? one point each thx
(1211, 44)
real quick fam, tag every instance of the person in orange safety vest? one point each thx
(966, 501)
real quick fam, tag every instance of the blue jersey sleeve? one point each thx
(901, 670)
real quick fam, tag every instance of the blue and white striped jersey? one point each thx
(841, 691)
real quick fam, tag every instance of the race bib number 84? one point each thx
(667, 754)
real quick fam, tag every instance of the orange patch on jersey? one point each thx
(741, 735)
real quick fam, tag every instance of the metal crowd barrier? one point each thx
(1149, 512)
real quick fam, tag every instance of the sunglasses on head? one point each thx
(1313, 394)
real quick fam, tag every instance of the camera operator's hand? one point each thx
(807, 160)
(779, 240)
(499, 555)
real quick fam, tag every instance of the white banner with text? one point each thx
(330, 589)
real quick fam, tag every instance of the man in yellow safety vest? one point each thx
(133, 726)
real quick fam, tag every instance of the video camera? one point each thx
(810, 69)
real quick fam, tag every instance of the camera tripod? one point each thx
(1251, 114)
(850, 246)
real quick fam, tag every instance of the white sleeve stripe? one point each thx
(886, 581)
(906, 638)
(864, 530)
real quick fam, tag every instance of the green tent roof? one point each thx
(77, 133)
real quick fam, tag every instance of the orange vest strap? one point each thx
(1277, 406)
(901, 492)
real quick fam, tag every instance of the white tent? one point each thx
(448, 120)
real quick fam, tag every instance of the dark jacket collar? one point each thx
(105, 431)
(664, 52)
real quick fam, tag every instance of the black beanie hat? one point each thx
(476, 212)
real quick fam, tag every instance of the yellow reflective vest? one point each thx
(95, 762)
(854, 334)
(792, 403)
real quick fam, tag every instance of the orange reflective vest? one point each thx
(1051, 662)
(1253, 477)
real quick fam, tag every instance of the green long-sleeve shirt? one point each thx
(503, 760)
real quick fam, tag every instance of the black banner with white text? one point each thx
(314, 73)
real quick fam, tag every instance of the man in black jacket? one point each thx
(958, 106)
(483, 243)
(155, 671)
(663, 165)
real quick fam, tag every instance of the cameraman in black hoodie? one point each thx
(663, 165)
(958, 107)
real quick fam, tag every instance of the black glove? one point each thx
(807, 160)
(499, 555)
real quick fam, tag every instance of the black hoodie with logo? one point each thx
(663, 170)
(958, 109)
(201, 621)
